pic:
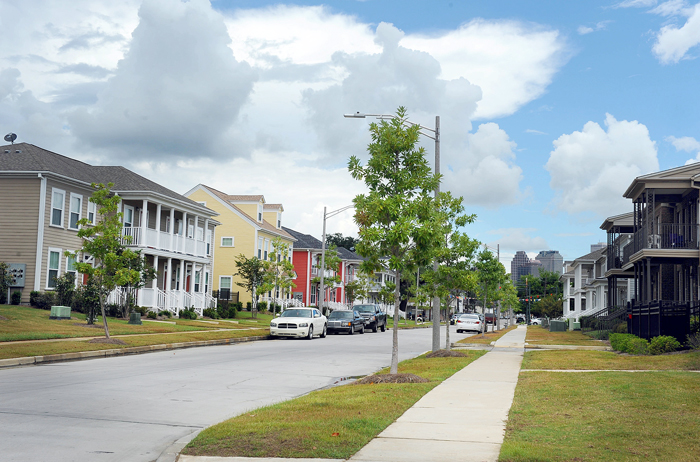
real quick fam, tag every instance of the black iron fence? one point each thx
(604, 320)
(661, 317)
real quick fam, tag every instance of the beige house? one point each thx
(248, 226)
(44, 194)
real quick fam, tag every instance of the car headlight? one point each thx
(273, 324)
(304, 324)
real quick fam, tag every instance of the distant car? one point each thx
(520, 319)
(299, 322)
(469, 322)
(454, 318)
(346, 321)
(490, 318)
(375, 318)
(536, 321)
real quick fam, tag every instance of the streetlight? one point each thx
(323, 249)
(435, 137)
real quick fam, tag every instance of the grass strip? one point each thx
(537, 335)
(21, 350)
(608, 360)
(333, 423)
(611, 416)
(488, 337)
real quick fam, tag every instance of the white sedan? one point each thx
(468, 322)
(299, 322)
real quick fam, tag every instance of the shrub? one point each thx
(638, 346)
(188, 313)
(694, 341)
(33, 296)
(142, 310)
(223, 309)
(86, 300)
(65, 289)
(618, 342)
(211, 313)
(620, 328)
(113, 310)
(44, 300)
(248, 306)
(165, 313)
(663, 344)
(239, 306)
(262, 306)
(151, 315)
(16, 297)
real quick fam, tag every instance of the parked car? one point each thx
(520, 319)
(454, 318)
(468, 322)
(536, 321)
(299, 322)
(346, 321)
(375, 318)
(490, 318)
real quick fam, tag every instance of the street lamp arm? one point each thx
(340, 210)
(359, 115)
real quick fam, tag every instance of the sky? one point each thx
(548, 109)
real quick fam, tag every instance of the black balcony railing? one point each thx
(667, 236)
(659, 317)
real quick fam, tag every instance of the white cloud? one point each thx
(671, 8)
(673, 42)
(583, 30)
(514, 239)
(684, 143)
(485, 172)
(591, 169)
(174, 93)
(636, 4)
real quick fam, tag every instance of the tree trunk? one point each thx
(447, 325)
(254, 305)
(104, 317)
(395, 345)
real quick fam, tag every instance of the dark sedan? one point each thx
(346, 321)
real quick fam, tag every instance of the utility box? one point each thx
(576, 325)
(60, 312)
(557, 326)
(135, 318)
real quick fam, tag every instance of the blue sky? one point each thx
(549, 109)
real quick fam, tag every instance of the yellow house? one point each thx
(248, 226)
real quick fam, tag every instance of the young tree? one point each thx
(103, 241)
(454, 256)
(253, 273)
(396, 218)
(5, 281)
(332, 262)
(509, 297)
(491, 274)
(281, 269)
(136, 262)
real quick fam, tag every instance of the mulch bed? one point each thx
(113, 341)
(444, 354)
(391, 378)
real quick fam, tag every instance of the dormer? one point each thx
(273, 214)
(252, 205)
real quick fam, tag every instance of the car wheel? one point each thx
(383, 327)
(362, 331)
(352, 330)
(311, 333)
(459, 331)
(325, 331)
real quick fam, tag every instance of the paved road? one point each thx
(133, 408)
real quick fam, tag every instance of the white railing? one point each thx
(163, 241)
(131, 236)
(283, 302)
(159, 300)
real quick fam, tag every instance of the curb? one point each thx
(79, 355)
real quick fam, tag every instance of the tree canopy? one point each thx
(339, 240)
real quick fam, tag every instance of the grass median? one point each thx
(487, 338)
(538, 335)
(605, 416)
(333, 423)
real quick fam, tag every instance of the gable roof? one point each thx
(346, 254)
(593, 256)
(682, 177)
(304, 241)
(32, 158)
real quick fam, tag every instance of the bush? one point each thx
(87, 301)
(618, 342)
(694, 341)
(248, 306)
(165, 313)
(628, 343)
(239, 306)
(151, 315)
(211, 313)
(188, 313)
(65, 289)
(262, 306)
(142, 310)
(113, 310)
(663, 344)
(16, 297)
(223, 309)
(620, 328)
(33, 296)
(44, 300)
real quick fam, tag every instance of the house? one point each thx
(248, 226)
(585, 285)
(43, 195)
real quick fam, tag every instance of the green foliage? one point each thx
(620, 328)
(248, 306)
(5, 280)
(65, 289)
(262, 306)
(32, 297)
(663, 344)
(694, 341)
(188, 313)
(628, 343)
(252, 272)
(151, 315)
(239, 307)
(280, 270)
(86, 300)
(550, 306)
(44, 300)
(338, 240)
(165, 313)
(618, 342)
(211, 313)
(16, 297)
(143, 310)
(358, 288)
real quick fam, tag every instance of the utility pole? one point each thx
(436, 300)
(498, 309)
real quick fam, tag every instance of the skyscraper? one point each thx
(519, 260)
(551, 260)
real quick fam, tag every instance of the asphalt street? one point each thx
(134, 407)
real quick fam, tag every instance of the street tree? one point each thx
(281, 269)
(112, 260)
(331, 277)
(396, 217)
(5, 281)
(253, 273)
(509, 297)
(454, 256)
(491, 274)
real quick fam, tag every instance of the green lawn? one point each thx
(487, 338)
(537, 335)
(597, 360)
(605, 416)
(333, 423)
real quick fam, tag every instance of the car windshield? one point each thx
(364, 308)
(341, 315)
(297, 313)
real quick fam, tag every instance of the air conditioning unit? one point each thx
(654, 241)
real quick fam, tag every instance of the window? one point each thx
(70, 267)
(260, 245)
(167, 224)
(209, 242)
(227, 242)
(224, 282)
(196, 280)
(58, 199)
(92, 212)
(54, 267)
(190, 228)
(279, 220)
(76, 210)
(267, 248)
(206, 282)
(260, 212)
(128, 216)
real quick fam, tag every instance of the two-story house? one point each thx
(248, 226)
(43, 195)
(585, 286)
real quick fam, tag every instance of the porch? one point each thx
(161, 300)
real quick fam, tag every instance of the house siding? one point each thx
(19, 208)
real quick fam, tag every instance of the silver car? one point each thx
(468, 322)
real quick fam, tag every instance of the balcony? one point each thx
(134, 237)
(667, 236)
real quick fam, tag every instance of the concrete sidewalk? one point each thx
(462, 419)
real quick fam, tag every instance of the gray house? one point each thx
(44, 194)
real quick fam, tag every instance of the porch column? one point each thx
(192, 279)
(144, 223)
(154, 284)
(172, 231)
(204, 236)
(169, 274)
(308, 278)
(183, 239)
(183, 269)
(158, 211)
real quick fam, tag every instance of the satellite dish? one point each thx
(11, 137)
